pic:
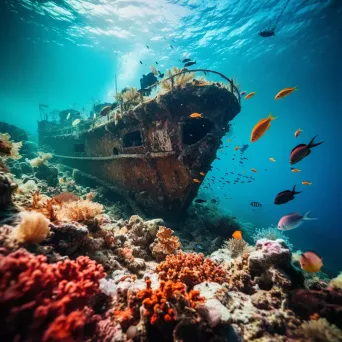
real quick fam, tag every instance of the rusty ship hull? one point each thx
(153, 153)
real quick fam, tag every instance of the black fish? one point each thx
(189, 64)
(157, 63)
(147, 46)
(200, 201)
(161, 75)
(171, 46)
(218, 158)
(186, 60)
(286, 196)
(141, 62)
(213, 200)
(256, 204)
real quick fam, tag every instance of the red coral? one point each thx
(191, 269)
(38, 299)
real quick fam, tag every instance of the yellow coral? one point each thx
(179, 80)
(8, 148)
(81, 210)
(33, 228)
(41, 159)
(321, 331)
(337, 282)
(165, 244)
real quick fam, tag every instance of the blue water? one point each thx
(66, 53)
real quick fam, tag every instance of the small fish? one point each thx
(294, 220)
(229, 140)
(298, 132)
(237, 235)
(161, 75)
(214, 201)
(285, 92)
(295, 170)
(75, 122)
(202, 174)
(186, 60)
(272, 160)
(250, 95)
(243, 93)
(196, 180)
(243, 148)
(237, 148)
(200, 201)
(311, 262)
(286, 196)
(157, 63)
(147, 46)
(306, 183)
(254, 170)
(195, 116)
(302, 150)
(261, 127)
(171, 46)
(141, 62)
(189, 64)
(255, 204)
(68, 116)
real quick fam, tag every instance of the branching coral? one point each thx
(320, 331)
(33, 228)
(179, 80)
(9, 148)
(237, 247)
(41, 159)
(49, 298)
(271, 233)
(165, 243)
(191, 269)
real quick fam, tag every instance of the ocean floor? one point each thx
(78, 265)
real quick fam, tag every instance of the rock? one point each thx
(7, 187)
(29, 149)
(26, 168)
(17, 134)
(48, 173)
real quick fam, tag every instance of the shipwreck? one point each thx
(150, 151)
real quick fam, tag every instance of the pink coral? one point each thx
(37, 299)
(191, 269)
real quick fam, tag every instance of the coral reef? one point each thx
(40, 160)
(337, 282)
(52, 299)
(237, 247)
(191, 269)
(7, 187)
(165, 243)
(33, 228)
(271, 233)
(9, 148)
(47, 173)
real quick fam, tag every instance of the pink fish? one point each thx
(294, 220)
(301, 151)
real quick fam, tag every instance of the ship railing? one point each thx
(231, 86)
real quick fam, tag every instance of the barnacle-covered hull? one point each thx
(153, 153)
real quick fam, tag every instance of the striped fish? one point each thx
(256, 204)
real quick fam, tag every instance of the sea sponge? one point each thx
(33, 228)
(8, 148)
(320, 331)
(41, 159)
(81, 210)
(165, 243)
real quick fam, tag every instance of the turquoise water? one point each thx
(66, 54)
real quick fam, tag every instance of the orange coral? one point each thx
(165, 303)
(127, 254)
(65, 197)
(191, 269)
(165, 243)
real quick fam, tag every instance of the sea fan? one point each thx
(33, 228)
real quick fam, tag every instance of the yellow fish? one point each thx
(229, 140)
(306, 183)
(76, 122)
(254, 170)
(272, 160)
(195, 115)
(202, 174)
(196, 180)
(261, 127)
(237, 148)
(250, 95)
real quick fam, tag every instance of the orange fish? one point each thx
(314, 317)
(261, 127)
(229, 140)
(285, 92)
(196, 180)
(236, 148)
(254, 170)
(298, 132)
(306, 183)
(295, 170)
(237, 235)
(195, 115)
(202, 174)
(250, 95)
(311, 262)
(272, 160)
